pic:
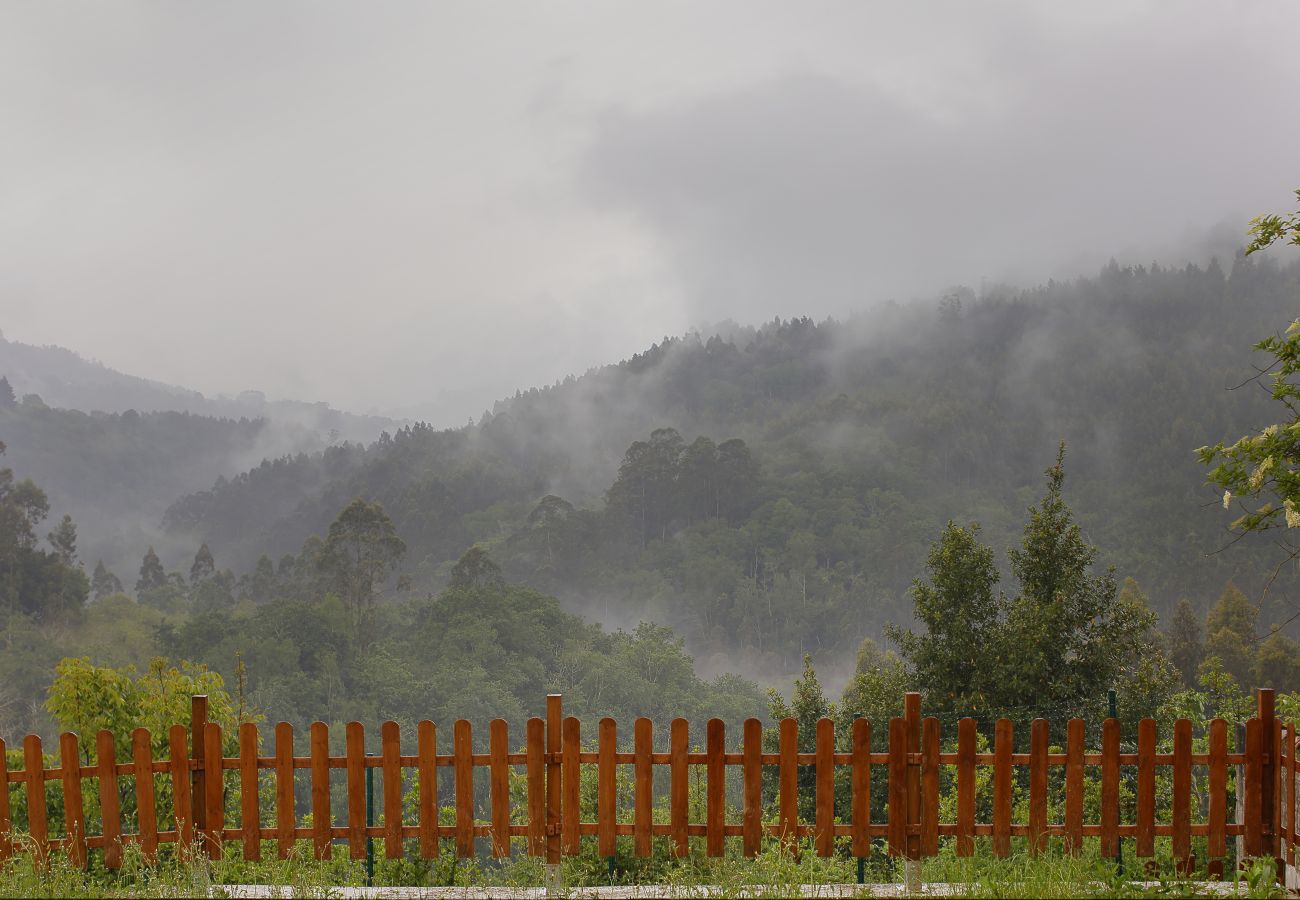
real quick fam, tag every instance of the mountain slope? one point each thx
(868, 435)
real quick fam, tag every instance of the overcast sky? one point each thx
(390, 205)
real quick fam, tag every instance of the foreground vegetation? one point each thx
(774, 873)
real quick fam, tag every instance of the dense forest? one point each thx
(770, 491)
(659, 536)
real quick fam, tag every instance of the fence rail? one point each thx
(204, 782)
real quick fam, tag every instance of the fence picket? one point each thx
(643, 785)
(1253, 813)
(321, 817)
(1003, 741)
(606, 785)
(426, 742)
(462, 748)
(898, 786)
(571, 802)
(752, 781)
(37, 825)
(250, 814)
(110, 804)
(716, 787)
(390, 741)
(1217, 841)
(6, 818)
(499, 782)
(825, 795)
(214, 785)
(182, 798)
(535, 750)
(929, 786)
(861, 787)
(1074, 736)
(1109, 788)
(74, 817)
(678, 744)
(285, 799)
(966, 740)
(1182, 796)
(1037, 786)
(146, 810)
(354, 742)
(1146, 789)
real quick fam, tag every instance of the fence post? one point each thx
(554, 724)
(1270, 807)
(198, 782)
(1239, 807)
(912, 864)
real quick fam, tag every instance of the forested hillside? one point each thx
(769, 491)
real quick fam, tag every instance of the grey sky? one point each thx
(428, 205)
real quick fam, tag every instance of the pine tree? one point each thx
(104, 582)
(1230, 634)
(7, 398)
(152, 574)
(64, 540)
(1186, 646)
(204, 566)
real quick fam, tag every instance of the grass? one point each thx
(772, 874)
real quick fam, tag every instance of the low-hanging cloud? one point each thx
(811, 193)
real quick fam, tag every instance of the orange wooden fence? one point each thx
(553, 757)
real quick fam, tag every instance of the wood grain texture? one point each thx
(146, 805)
(642, 785)
(1003, 742)
(788, 781)
(1109, 788)
(285, 796)
(824, 801)
(752, 787)
(678, 745)
(554, 726)
(966, 745)
(179, 760)
(535, 751)
(715, 787)
(1037, 786)
(354, 740)
(249, 808)
(214, 790)
(930, 735)
(1074, 738)
(606, 787)
(74, 816)
(37, 823)
(1217, 816)
(6, 818)
(1146, 789)
(390, 743)
(321, 816)
(499, 783)
(1181, 804)
(571, 816)
(860, 787)
(462, 749)
(898, 787)
(426, 750)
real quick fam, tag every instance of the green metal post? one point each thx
(370, 821)
(1119, 841)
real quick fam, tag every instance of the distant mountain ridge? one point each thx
(64, 379)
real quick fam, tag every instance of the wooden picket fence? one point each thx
(553, 759)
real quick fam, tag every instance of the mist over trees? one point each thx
(730, 504)
(771, 491)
